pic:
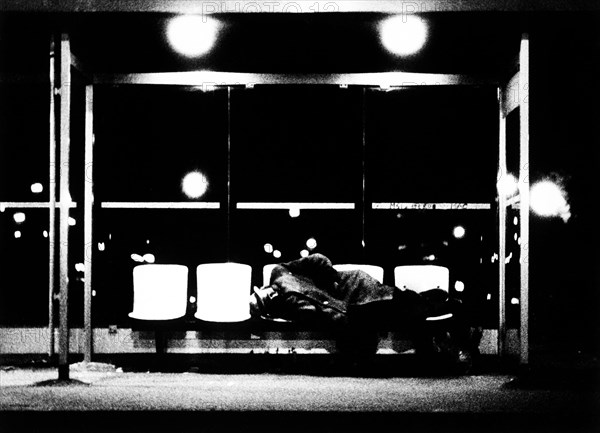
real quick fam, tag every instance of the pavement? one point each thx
(108, 399)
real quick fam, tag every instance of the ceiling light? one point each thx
(403, 35)
(192, 35)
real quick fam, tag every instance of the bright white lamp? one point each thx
(548, 199)
(403, 35)
(192, 35)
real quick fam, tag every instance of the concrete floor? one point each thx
(112, 400)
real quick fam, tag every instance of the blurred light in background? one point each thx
(403, 35)
(149, 258)
(192, 35)
(194, 184)
(101, 246)
(514, 301)
(17, 234)
(548, 199)
(311, 243)
(80, 267)
(72, 221)
(277, 254)
(19, 217)
(36, 188)
(304, 253)
(137, 258)
(459, 286)
(294, 212)
(268, 248)
(459, 232)
(45, 233)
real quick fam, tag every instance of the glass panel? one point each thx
(513, 268)
(428, 146)
(127, 238)
(24, 267)
(296, 144)
(148, 138)
(434, 144)
(24, 138)
(273, 236)
(458, 240)
(24, 170)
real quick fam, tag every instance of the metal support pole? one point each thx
(52, 202)
(65, 201)
(88, 220)
(524, 81)
(228, 173)
(364, 173)
(502, 173)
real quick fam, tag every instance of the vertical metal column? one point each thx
(52, 201)
(524, 81)
(228, 173)
(364, 172)
(65, 201)
(502, 173)
(88, 221)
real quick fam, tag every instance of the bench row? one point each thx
(160, 291)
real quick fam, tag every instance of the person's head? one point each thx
(260, 298)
